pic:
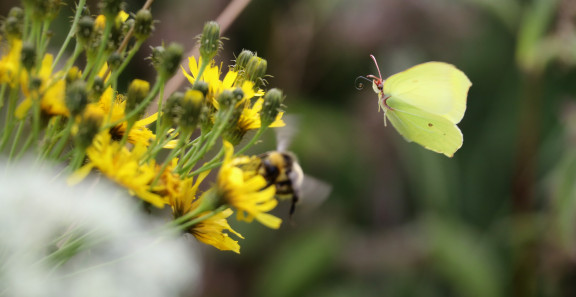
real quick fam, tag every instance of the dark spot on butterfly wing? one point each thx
(430, 125)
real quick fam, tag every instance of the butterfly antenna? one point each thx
(375, 62)
(359, 85)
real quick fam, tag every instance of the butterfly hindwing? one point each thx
(432, 131)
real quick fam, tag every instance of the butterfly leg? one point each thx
(383, 103)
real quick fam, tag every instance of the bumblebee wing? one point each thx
(285, 135)
(313, 193)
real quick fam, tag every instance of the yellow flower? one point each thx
(211, 76)
(250, 118)
(52, 91)
(121, 166)
(181, 193)
(100, 22)
(10, 64)
(247, 193)
(139, 134)
(210, 231)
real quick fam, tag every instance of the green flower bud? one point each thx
(171, 59)
(210, 41)
(35, 83)
(88, 128)
(110, 8)
(242, 60)
(53, 8)
(157, 56)
(85, 29)
(76, 97)
(97, 89)
(192, 109)
(137, 92)
(271, 107)
(28, 56)
(144, 24)
(115, 60)
(238, 94)
(16, 12)
(256, 69)
(172, 110)
(12, 27)
(201, 86)
(226, 99)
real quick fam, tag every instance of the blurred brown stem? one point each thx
(225, 19)
(524, 180)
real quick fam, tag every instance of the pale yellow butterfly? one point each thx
(424, 103)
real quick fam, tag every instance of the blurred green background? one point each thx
(497, 219)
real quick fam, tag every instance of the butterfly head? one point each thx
(377, 81)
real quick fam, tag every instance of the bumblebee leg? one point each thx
(293, 206)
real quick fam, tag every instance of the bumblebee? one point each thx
(282, 170)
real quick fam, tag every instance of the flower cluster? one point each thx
(160, 153)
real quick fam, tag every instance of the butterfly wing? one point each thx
(434, 132)
(437, 87)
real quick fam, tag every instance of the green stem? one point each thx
(16, 140)
(129, 125)
(217, 131)
(192, 148)
(98, 62)
(125, 63)
(77, 159)
(172, 154)
(62, 142)
(252, 141)
(9, 124)
(70, 63)
(208, 165)
(72, 31)
(193, 222)
(49, 137)
(2, 92)
(43, 42)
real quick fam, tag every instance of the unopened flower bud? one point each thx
(137, 91)
(16, 12)
(271, 107)
(144, 24)
(28, 56)
(256, 69)
(89, 126)
(192, 107)
(201, 86)
(76, 97)
(13, 27)
(172, 110)
(226, 99)
(242, 60)
(85, 29)
(97, 89)
(35, 83)
(209, 41)
(115, 60)
(111, 8)
(169, 60)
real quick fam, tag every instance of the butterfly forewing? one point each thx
(437, 87)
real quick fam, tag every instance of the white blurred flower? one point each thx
(123, 253)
